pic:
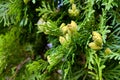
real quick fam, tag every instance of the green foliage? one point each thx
(49, 28)
(3, 13)
(40, 40)
(47, 10)
(7, 41)
(11, 52)
(114, 56)
(15, 8)
(112, 72)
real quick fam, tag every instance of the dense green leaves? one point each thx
(59, 40)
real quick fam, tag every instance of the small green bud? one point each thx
(72, 27)
(107, 51)
(49, 60)
(67, 37)
(74, 11)
(71, 1)
(73, 7)
(97, 38)
(62, 25)
(25, 1)
(70, 11)
(92, 45)
(64, 28)
(98, 41)
(62, 40)
(96, 35)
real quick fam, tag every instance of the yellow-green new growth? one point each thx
(64, 28)
(97, 41)
(72, 27)
(107, 51)
(74, 11)
(62, 40)
(69, 28)
(71, 1)
(93, 45)
(26, 1)
(97, 38)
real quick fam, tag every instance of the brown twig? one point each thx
(18, 67)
